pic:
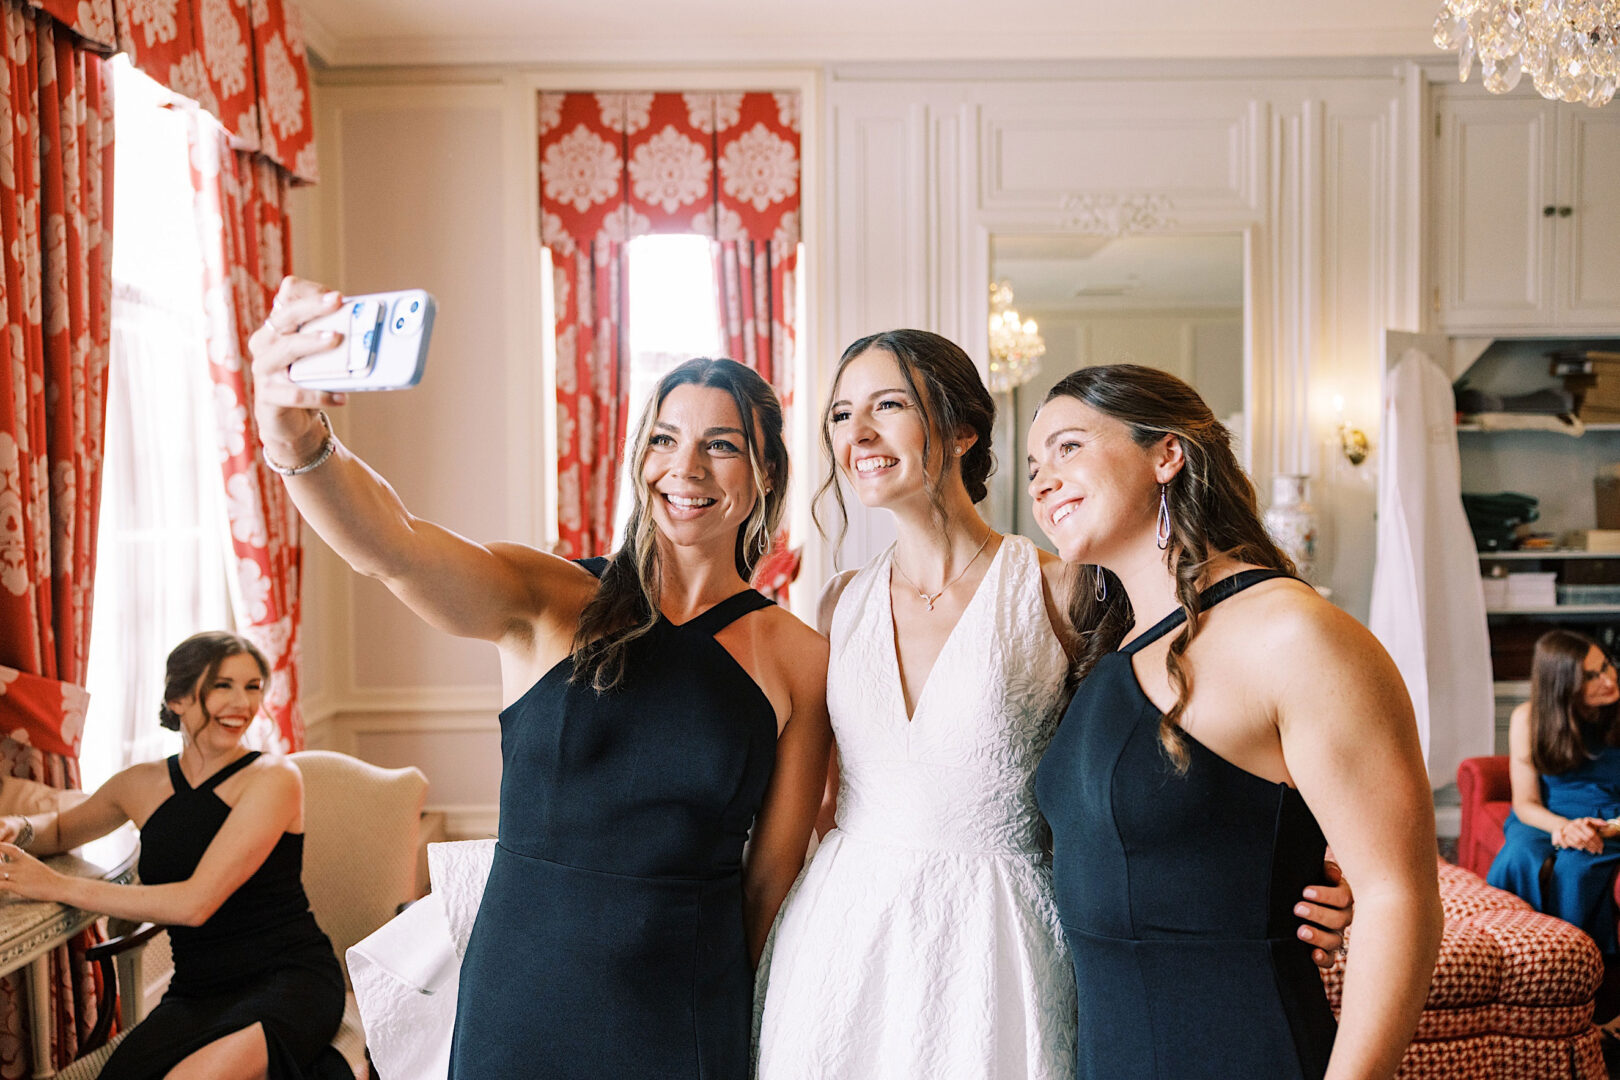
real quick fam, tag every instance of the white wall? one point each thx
(429, 180)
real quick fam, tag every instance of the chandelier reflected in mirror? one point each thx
(1016, 347)
(1569, 48)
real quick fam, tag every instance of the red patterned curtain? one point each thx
(755, 261)
(584, 220)
(241, 60)
(55, 225)
(617, 166)
(756, 150)
(245, 243)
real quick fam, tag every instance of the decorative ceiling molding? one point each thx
(527, 44)
(1116, 215)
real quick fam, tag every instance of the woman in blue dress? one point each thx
(658, 714)
(1564, 747)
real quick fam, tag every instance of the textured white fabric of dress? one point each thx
(922, 940)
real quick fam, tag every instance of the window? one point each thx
(162, 542)
(673, 318)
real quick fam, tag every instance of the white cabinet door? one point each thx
(1494, 178)
(1587, 291)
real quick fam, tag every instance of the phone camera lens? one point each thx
(399, 324)
(415, 304)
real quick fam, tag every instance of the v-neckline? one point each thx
(950, 636)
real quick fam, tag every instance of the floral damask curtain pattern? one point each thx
(241, 60)
(245, 244)
(584, 220)
(55, 225)
(756, 259)
(617, 166)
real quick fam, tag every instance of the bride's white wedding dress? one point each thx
(922, 940)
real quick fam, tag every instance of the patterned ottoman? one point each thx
(1512, 992)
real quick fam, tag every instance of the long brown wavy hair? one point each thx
(1213, 514)
(625, 606)
(950, 396)
(1557, 713)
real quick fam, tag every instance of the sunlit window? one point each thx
(160, 555)
(673, 317)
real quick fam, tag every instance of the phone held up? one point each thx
(384, 346)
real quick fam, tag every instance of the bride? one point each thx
(923, 940)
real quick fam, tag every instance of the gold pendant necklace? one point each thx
(929, 599)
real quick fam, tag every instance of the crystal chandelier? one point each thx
(1016, 347)
(1570, 48)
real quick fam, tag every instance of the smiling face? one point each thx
(700, 485)
(216, 715)
(877, 432)
(1095, 491)
(1599, 686)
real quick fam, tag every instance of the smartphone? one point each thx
(384, 346)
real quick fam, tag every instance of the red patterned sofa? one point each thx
(1512, 993)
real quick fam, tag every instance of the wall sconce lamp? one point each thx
(1352, 440)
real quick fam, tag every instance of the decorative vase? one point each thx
(1291, 521)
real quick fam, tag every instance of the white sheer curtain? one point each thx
(160, 560)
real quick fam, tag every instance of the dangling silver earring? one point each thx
(1163, 534)
(1102, 585)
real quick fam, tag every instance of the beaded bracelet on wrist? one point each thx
(328, 444)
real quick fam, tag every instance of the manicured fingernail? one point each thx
(340, 399)
(1310, 894)
(332, 297)
(1301, 910)
(1307, 933)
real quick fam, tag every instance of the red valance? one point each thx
(241, 60)
(617, 166)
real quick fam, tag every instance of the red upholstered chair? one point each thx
(1487, 798)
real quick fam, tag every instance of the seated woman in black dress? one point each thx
(256, 990)
(659, 714)
(1223, 710)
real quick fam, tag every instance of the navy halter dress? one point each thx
(609, 942)
(1176, 893)
(1580, 889)
(259, 959)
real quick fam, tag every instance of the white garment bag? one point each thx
(1428, 608)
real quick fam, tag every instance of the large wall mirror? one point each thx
(1170, 302)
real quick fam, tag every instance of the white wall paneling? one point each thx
(1310, 170)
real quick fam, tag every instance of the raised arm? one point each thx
(781, 833)
(268, 805)
(495, 592)
(1351, 744)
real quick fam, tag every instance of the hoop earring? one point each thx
(1162, 534)
(1102, 585)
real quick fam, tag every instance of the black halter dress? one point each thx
(1176, 893)
(259, 959)
(609, 941)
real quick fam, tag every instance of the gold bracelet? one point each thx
(328, 444)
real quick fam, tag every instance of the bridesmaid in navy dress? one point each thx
(660, 713)
(257, 993)
(1565, 767)
(1245, 723)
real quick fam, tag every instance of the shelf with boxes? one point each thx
(1559, 565)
